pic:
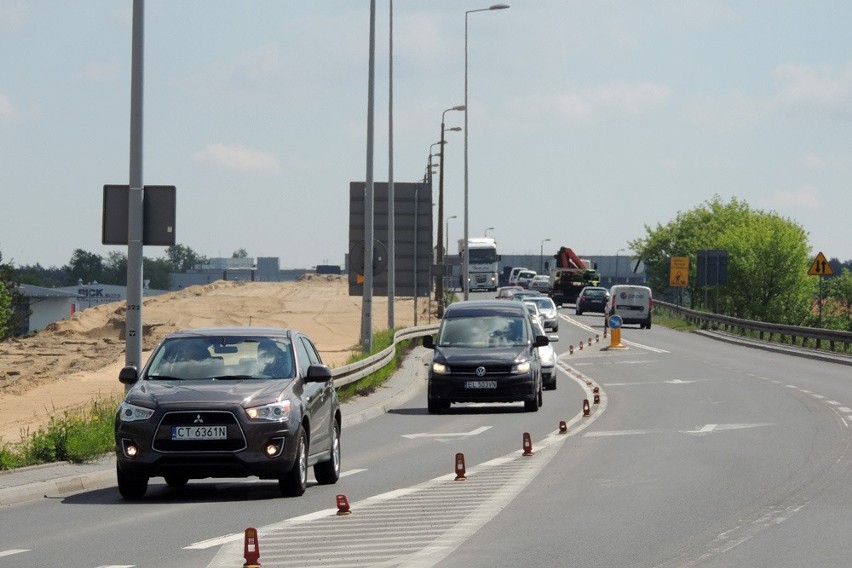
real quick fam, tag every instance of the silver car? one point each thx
(548, 359)
(547, 311)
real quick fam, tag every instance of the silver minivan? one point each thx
(632, 303)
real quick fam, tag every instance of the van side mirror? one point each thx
(428, 342)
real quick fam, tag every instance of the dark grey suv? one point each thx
(485, 351)
(229, 402)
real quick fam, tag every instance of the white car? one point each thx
(513, 275)
(548, 359)
(541, 283)
(525, 277)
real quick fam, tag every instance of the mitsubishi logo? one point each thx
(198, 420)
(480, 371)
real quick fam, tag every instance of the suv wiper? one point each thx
(164, 378)
(233, 377)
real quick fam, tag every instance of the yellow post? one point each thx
(615, 332)
(615, 338)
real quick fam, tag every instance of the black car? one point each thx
(591, 299)
(485, 351)
(229, 402)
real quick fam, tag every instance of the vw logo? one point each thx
(480, 371)
(198, 420)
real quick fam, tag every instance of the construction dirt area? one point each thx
(75, 361)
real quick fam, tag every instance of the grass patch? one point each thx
(671, 320)
(77, 436)
(370, 383)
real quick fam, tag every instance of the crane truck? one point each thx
(569, 275)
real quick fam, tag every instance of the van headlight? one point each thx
(440, 368)
(521, 368)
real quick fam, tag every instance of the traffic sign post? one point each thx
(679, 271)
(615, 335)
(820, 267)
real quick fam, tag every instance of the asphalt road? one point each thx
(700, 453)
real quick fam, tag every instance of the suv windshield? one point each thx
(483, 331)
(187, 358)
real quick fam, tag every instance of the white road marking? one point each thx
(668, 382)
(707, 428)
(604, 434)
(845, 409)
(13, 551)
(476, 432)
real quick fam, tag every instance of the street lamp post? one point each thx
(466, 269)
(488, 229)
(541, 255)
(439, 286)
(445, 279)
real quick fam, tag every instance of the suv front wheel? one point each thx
(295, 481)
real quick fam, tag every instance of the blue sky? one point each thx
(588, 120)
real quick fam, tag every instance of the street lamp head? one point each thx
(498, 7)
(453, 129)
(452, 217)
(459, 107)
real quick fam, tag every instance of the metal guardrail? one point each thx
(354, 371)
(811, 336)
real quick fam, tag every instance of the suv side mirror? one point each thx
(128, 375)
(318, 374)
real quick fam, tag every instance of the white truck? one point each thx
(482, 262)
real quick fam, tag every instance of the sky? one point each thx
(588, 122)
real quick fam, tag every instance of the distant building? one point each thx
(49, 305)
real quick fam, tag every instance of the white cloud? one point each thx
(806, 197)
(814, 161)
(7, 109)
(99, 71)
(616, 99)
(237, 157)
(821, 88)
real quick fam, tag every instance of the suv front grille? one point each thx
(163, 441)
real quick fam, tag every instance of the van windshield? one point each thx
(483, 331)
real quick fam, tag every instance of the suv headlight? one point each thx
(275, 412)
(132, 413)
(521, 368)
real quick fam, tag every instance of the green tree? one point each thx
(5, 311)
(837, 291)
(85, 266)
(115, 269)
(157, 272)
(14, 310)
(182, 258)
(37, 275)
(767, 260)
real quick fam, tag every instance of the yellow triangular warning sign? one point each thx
(820, 267)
